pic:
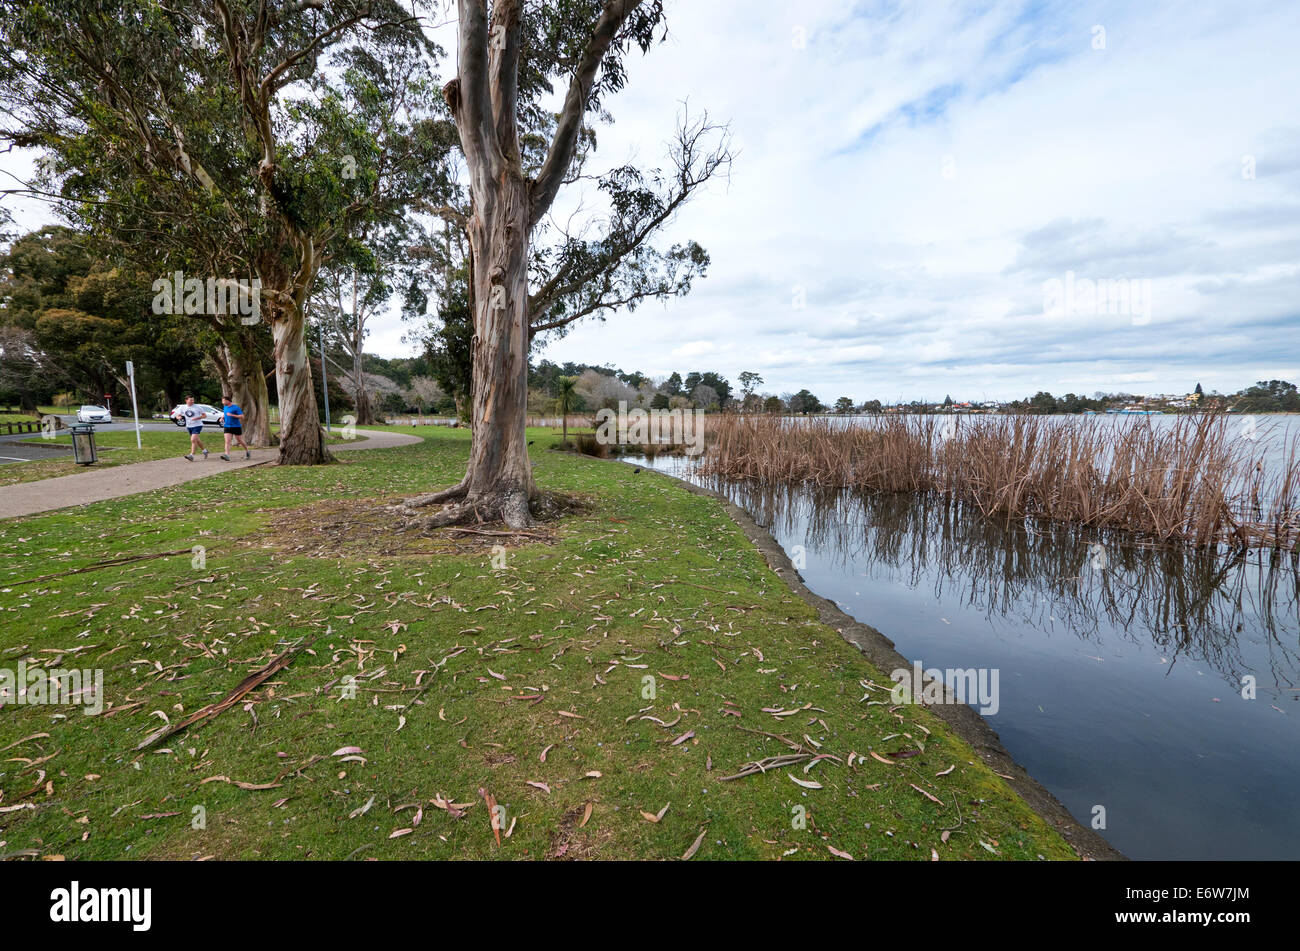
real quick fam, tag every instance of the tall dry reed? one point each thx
(1187, 481)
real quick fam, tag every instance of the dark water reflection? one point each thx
(1121, 667)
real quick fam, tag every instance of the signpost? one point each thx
(130, 372)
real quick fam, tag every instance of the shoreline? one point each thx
(881, 651)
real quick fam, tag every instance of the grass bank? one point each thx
(596, 684)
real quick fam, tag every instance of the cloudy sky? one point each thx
(918, 173)
(917, 182)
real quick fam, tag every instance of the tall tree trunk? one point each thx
(364, 412)
(361, 398)
(499, 481)
(483, 99)
(302, 440)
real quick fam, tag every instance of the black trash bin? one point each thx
(83, 445)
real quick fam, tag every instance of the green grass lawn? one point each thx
(609, 673)
(13, 416)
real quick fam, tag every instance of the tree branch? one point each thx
(547, 183)
(505, 40)
(468, 96)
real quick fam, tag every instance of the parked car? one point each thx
(211, 415)
(94, 414)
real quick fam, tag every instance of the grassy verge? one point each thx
(13, 416)
(608, 674)
(117, 449)
(114, 449)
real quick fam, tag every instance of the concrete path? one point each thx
(85, 488)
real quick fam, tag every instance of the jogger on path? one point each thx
(232, 421)
(193, 417)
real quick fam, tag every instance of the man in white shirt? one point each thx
(193, 417)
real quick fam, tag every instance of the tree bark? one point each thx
(499, 480)
(302, 441)
(360, 397)
(239, 362)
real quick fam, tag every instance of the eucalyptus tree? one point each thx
(526, 274)
(386, 250)
(219, 129)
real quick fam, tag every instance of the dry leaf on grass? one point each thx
(655, 817)
(695, 846)
(492, 812)
(924, 793)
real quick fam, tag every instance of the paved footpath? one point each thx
(84, 488)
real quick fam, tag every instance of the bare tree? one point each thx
(425, 391)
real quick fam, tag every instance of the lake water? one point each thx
(1121, 668)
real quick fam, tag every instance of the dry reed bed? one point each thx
(1190, 481)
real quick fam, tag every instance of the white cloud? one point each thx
(695, 348)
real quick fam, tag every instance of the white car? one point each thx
(211, 415)
(93, 414)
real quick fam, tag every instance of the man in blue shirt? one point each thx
(232, 421)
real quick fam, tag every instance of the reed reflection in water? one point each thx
(1194, 603)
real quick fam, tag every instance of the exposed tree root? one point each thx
(509, 507)
(513, 509)
(438, 498)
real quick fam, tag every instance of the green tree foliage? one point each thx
(1268, 396)
(87, 318)
(804, 402)
(221, 139)
(566, 397)
(451, 347)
